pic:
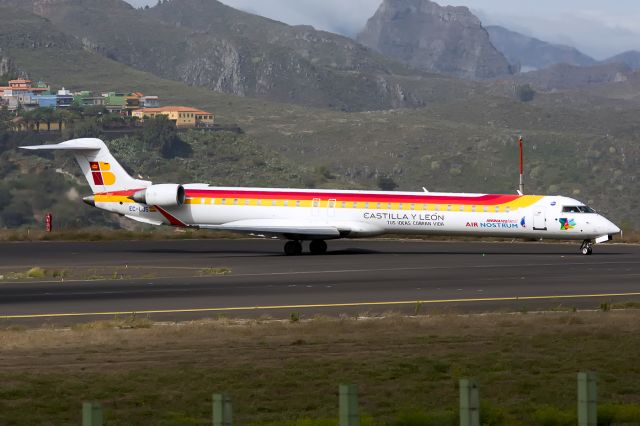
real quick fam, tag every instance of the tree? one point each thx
(160, 134)
(525, 92)
(386, 183)
(85, 128)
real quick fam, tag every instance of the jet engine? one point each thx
(163, 195)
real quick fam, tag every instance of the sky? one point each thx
(599, 28)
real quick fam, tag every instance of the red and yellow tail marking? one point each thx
(100, 171)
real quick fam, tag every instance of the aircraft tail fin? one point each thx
(100, 168)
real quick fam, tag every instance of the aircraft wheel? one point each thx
(293, 248)
(318, 247)
(586, 248)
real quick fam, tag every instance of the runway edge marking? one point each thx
(311, 306)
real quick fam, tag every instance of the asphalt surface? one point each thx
(356, 276)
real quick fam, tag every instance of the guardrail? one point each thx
(348, 412)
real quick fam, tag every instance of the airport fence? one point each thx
(348, 411)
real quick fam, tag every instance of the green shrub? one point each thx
(552, 416)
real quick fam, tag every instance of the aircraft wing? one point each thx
(276, 227)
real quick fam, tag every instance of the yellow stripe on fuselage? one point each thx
(518, 203)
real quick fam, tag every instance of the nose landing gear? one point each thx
(586, 248)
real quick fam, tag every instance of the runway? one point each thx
(176, 280)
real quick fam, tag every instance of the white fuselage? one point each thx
(370, 213)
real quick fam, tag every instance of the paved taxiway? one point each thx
(355, 276)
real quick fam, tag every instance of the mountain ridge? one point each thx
(242, 54)
(531, 52)
(427, 36)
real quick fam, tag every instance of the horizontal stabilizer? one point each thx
(102, 171)
(85, 144)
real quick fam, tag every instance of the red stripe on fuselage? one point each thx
(125, 192)
(489, 199)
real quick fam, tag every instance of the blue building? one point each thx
(47, 101)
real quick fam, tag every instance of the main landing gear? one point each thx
(294, 248)
(586, 248)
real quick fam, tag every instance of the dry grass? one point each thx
(111, 273)
(279, 371)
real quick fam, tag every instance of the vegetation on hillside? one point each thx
(577, 143)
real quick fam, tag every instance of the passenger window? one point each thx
(461, 208)
(298, 203)
(223, 201)
(344, 204)
(273, 202)
(379, 205)
(235, 201)
(246, 202)
(449, 207)
(413, 206)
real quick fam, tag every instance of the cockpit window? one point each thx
(570, 209)
(577, 209)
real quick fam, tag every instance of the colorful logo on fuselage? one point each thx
(101, 174)
(523, 223)
(566, 224)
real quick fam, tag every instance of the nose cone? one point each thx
(615, 230)
(611, 228)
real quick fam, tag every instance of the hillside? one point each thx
(630, 58)
(426, 36)
(580, 143)
(532, 53)
(209, 45)
(565, 76)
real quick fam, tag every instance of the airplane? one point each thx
(318, 215)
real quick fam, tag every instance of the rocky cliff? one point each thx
(426, 36)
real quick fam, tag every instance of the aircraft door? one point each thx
(539, 219)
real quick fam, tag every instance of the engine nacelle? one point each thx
(163, 195)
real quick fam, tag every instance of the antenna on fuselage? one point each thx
(521, 186)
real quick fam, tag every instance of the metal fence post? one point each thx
(222, 410)
(469, 403)
(587, 399)
(91, 414)
(349, 405)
